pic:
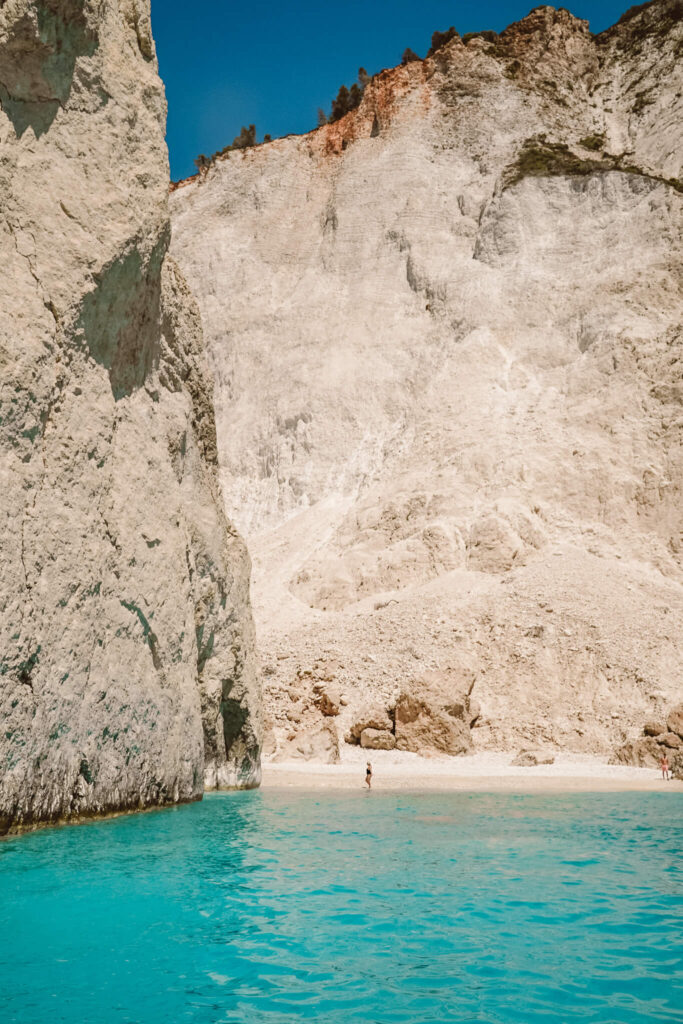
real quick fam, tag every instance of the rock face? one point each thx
(448, 378)
(126, 653)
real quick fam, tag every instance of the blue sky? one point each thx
(273, 64)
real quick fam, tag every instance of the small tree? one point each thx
(355, 96)
(440, 39)
(202, 163)
(340, 105)
(246, 138)
(363, 77)
(409, 56)
(322, 117)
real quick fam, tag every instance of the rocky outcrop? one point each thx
(126, 640)
(674, 720)
(372, 717)
(446, 345)
(640, 753)
(648, 749)
(314, 739)
(377, 739)
(431, 720)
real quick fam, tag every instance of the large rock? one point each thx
(671, 740)
(654, 728)
(369, 716)
(315, 741)
(126, 639)
(328, 699)
(641, 753)
(674, 720)
(448, 362)
(432, 722)
(377, 739)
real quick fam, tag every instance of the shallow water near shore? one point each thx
(351, 907)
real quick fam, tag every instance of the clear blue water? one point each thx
(354, 907)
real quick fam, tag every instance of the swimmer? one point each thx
(368, 776)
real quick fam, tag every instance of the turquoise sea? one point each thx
(350, 907)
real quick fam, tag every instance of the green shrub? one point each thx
(487, 34)
(440, 39)
(245, 140)
(348, 99)
(595, 143)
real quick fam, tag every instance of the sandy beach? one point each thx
(483, 772)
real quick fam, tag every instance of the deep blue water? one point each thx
(356, 907)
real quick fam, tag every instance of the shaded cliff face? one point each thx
(445, 339)
(126, 639)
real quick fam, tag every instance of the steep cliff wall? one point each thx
(126, 638)
(448, 362)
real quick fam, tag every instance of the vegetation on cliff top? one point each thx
(245, 140)
(537, 158)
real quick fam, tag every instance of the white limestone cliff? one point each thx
(127, 674)
(445, 336)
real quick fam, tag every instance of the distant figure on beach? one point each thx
(368, 776)
(665, 767)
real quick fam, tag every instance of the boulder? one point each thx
(328, 699)
(377, 739)
(641, 753)
(676, 765)
(429, 721)
(654, 728)
(316, 741)
(671, 740)
(371, 716)
(530, 758)
(674, 721)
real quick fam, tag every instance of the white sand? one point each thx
(486, 772)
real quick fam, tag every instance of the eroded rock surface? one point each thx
(126, 639)
(445, 333)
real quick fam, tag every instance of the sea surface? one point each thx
(351, 907)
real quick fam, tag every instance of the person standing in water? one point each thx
(664, 763)
(368, 775)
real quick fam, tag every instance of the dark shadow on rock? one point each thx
(234, 720)
(37, 61)
(119, 321)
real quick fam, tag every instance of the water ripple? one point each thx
(265, 908)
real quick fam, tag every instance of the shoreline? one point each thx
(479, 773)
